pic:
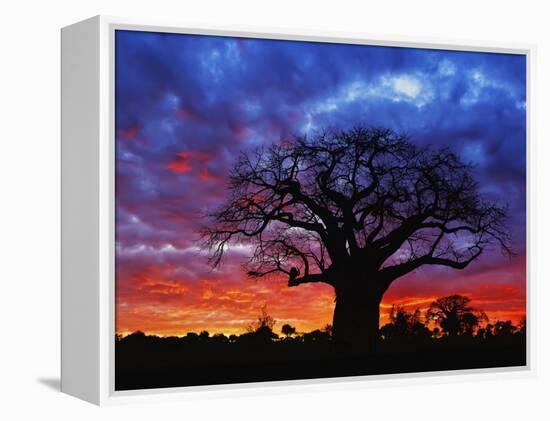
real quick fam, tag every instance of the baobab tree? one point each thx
(357, 210)
(455, 315)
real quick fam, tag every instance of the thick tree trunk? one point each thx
(356, 318)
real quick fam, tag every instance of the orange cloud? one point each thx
(158, 303)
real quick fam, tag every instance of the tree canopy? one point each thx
(312, 206)
(455, 315)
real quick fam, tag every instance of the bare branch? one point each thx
(314, 208)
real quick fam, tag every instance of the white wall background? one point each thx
(29, 208)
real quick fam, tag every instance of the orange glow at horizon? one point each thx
(164, 307)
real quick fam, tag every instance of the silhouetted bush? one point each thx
(404, 325)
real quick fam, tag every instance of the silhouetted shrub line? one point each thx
(407, 344)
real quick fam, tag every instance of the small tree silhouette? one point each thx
(264, 321)
(504, 328)
(262, 328)
(454, 315)
(220, 338)
(288, 330)
(404, 324)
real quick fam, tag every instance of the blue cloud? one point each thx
(220, 95)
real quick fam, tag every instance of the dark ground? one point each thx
(151, 362)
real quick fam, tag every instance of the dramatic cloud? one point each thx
(186, 106)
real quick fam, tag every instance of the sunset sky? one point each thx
(185, 107)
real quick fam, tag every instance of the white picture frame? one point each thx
(88, 306)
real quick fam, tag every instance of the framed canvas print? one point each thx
(243, 208)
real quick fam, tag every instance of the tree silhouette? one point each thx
(404, 324)
(264, 321)
(288, 330)
(357, 210)
(504, 328)
(454, 315)
(261, 329)
(220, 338)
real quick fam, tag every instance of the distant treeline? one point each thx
(460, 337)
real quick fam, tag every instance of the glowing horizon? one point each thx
(504, 302)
